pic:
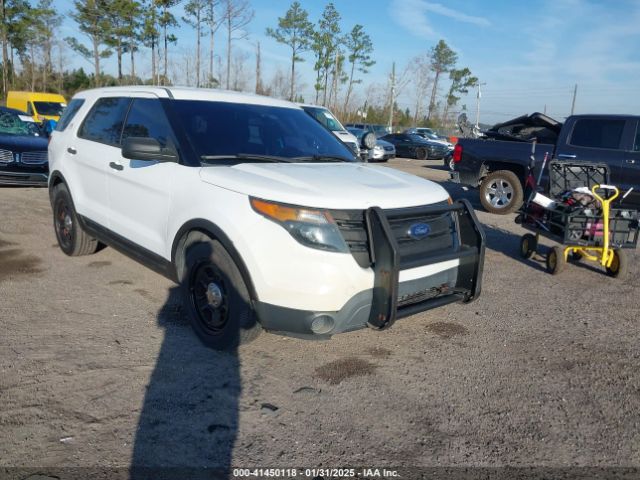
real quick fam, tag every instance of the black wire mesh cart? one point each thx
(578, 215)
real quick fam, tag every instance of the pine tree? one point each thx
(296, 31)
(443, 59)
(359, 49)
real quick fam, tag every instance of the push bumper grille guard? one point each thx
(386, 262)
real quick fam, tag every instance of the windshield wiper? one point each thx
(321, 158)
(247, 156)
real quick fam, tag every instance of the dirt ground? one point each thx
(100, 369)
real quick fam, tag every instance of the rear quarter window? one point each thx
(597, 133)
(69, 113)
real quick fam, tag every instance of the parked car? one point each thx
(382, 152)
(497, 164)
(432, 137)
(264, 218)
(23, 150)
(331, 123)
(39, 105)
(378, 130)
(411, 145)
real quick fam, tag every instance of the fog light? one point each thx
(322, 324)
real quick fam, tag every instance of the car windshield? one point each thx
(380, 130)
(49, 108)
(220, 131)
(325, 117)
(11, 124)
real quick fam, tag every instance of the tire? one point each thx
(215, 295)
(620, 266)
(501, 192)
(72, 239)
(528, 245)
(449, 163)
(421, 153)
(555, 260)
(575, 257)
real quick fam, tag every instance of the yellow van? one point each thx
(41, 106)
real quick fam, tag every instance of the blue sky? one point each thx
(530, 54)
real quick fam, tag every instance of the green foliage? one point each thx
(296, 31)
(461, 81)
(325, 44)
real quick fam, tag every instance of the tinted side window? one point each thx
(636, 144)
(104, 122)
(597, 133)
(147, 119)
(69, 113)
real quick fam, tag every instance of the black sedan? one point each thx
(411, 145)
(23, 150)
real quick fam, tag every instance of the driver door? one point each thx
(140, 191)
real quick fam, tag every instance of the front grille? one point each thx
(34, 158)
(6, 156)
(441, 238)
(352, 146)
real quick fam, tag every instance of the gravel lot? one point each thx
(99, 369)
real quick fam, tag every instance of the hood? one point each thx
(322, 185)
(346, 136)
(21, 143)
(384, 143)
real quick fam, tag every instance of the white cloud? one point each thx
(455, 14)
(414, 16)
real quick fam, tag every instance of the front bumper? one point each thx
(424, 284)
(26, 177)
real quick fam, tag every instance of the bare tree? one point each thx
(195, 11)
(420, 70)
(236, 15)
(213, 21)
(259, 87)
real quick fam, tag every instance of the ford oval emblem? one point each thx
(419, 230)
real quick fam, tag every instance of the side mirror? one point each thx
(369, 140)
(145, 148)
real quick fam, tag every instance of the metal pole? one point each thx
(393, 92)
(573, 102)
(478, 104)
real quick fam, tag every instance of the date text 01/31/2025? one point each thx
(315, 473)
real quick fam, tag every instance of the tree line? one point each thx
(340, 60)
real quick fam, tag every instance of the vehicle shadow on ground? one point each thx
(189, 418)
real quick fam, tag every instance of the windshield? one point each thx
(381, 130)
(221, 129)
(11, 124)
(325, 117)
(49, 108)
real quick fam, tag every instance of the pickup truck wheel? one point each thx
(216, 298)
(72, 239)
(421, 153)
(501, 192)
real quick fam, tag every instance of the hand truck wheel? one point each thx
(575, 256)
(620, 265)
(528, 245)
(555, 260)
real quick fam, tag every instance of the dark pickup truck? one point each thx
(497, 163)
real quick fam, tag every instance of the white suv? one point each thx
(263, 217)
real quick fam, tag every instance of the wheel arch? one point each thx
(55, 179)
(216, 233)
(491, 166)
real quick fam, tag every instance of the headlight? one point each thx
(378, 149)
(312, 228)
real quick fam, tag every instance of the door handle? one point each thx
(630, 160)
(116, 166)
(72, 150)
(565, 155)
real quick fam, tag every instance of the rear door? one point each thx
(597, 140)
(140, 191)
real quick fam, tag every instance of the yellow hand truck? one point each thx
(595, 234)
